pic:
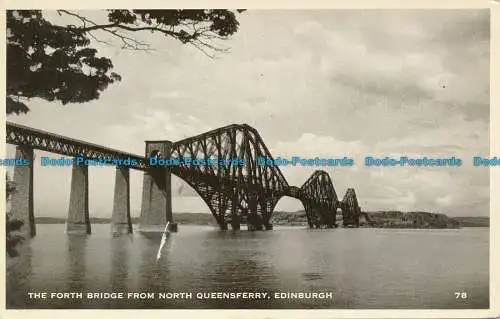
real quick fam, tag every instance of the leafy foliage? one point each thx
(55, 62)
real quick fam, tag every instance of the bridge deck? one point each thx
(42, 140)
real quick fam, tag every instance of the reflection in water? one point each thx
(76, 269)
(77, 254)
(154, 273)
(363, 268)
(120, 262)
(236, 266)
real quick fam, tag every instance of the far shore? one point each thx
(384, 219)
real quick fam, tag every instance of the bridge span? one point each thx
(234, 193)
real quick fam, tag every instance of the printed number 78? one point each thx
(460, 295)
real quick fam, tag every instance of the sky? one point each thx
(326, 83)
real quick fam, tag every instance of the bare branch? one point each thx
(128, 42)
(79, 17)
(97, 40)
(194, 38)
(211, 56)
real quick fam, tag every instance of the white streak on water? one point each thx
(164, 237)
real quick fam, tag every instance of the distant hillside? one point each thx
(397, 219)
(183, 218)
(194, 218)
(57, 220)
(380, 219)
(289, 218)
(473, 221)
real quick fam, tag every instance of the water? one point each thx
(363, 268)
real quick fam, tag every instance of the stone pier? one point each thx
(78, 220)
(156, 208)
(22, 198)
(235, 222)
(254, 221)
(121, 221)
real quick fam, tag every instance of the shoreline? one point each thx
(385, 219)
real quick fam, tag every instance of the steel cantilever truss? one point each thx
(320, 200)
(350, 208)
(234, 192)
(238, 190)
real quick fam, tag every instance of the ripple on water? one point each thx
(309, 276)
(366, 269)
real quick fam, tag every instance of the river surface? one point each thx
(362, 268)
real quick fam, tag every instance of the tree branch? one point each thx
(182, 35)
(128, 42)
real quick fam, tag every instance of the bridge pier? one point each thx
(121, 221)
(22, 198)
(266, 224)
(235, 222)
(254, 222)
(78, 220)
(156, 208)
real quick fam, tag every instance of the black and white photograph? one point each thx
(248, 159)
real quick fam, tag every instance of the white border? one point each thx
(260, 4)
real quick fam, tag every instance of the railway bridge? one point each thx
(234, 193)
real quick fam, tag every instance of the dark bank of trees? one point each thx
(57, 62)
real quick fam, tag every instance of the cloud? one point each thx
(402, 187)
(165, 95)
(444, 201)
(313, 83)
